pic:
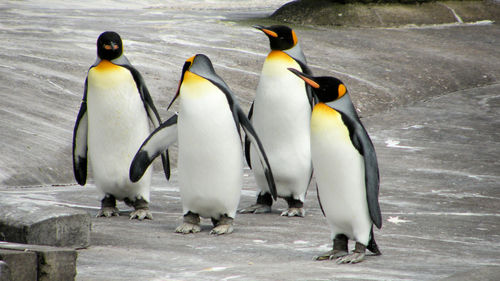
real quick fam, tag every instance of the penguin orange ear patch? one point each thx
(191, 59)
(294, 36)
(342, 90)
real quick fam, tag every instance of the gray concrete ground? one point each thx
(429, 97)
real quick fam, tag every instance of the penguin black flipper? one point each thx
(250, 136)
(364, 145)
(80, 142)
(157, 142)
(247, 140)
(319, 201)
(150, 108)
(253, 138)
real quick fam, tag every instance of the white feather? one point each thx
(117, 126)
(281, 119)
(210, 154)
(339, 172)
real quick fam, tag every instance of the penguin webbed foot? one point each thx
(186, 228)
(108, 207)
(141, 207)
(141, 214)
(331, 255)
(262, 206)
(351, 258)
(294, 212)
(295, 208)
(357, 256)
(222, 226)
(256, 209)
(108, 212)
(191, 224)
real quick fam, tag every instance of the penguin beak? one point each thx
(266, 31)
(307, 78)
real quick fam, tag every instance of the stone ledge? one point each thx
(39, 223)
(36, 262)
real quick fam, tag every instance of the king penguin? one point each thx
(345, 168)
(280, 114)
(210, 155)
(111, 125)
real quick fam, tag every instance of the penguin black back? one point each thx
(109, 45)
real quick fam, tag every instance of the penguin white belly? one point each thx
(117, 126)
(281, 118)
(210, 154)
(339, 173)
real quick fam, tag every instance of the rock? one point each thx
(385, 14)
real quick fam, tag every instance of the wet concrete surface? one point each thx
(428, 96)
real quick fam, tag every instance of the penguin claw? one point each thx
(294, 212)
(256, 209)
(330, 255)
(222, 229)
(352, 258)
(141, 214)
(186, 228)
(108, 212)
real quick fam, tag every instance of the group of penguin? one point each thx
(297, 122)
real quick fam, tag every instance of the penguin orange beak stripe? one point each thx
(266, 31)
(270, 33)
(306, 79)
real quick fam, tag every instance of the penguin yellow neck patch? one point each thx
(279, 55)
(195, 86)
(105, 65)
(327, 119)
(323, 109)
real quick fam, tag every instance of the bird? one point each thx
(210, 155)
(280, 113)
(345, 169)
(111, 124)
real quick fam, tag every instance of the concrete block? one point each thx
(28, 222)
(49, 263)
(22, 266)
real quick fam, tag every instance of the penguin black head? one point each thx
(325, 88)
(281, 37)
(109, 45)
